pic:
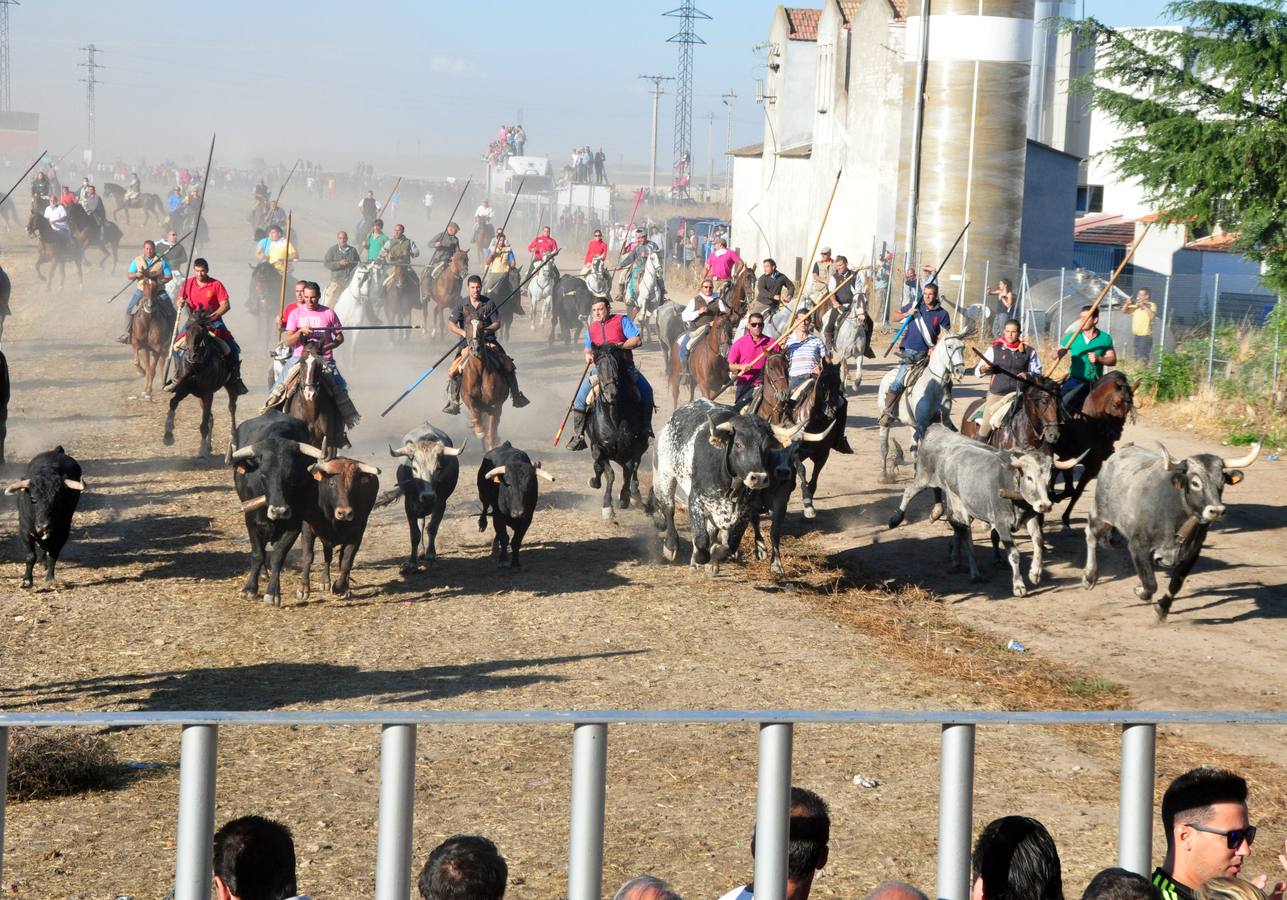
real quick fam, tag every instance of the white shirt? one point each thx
(57, 217)
(690, 313)
(428, 199)
(1034, 364)
(484, 211)
(739, 893)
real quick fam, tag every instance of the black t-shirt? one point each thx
(484, 313)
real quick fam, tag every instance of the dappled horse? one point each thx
(443, 292)
(1094, 430)
(89, 233)
(618, 427)
(56, 248)
(483, 388)
(150, 331)
(201, 371)
(707, 361)
(312, 402)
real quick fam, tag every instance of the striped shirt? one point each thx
(805, 355)
(1170, 889)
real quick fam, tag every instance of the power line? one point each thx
(686, 38)
(91, 68)
(5, 104)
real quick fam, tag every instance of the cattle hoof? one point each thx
(1020, 591)
(594, 482)
(624, 502)
(248, 594)
(896, 519)
(712, 569)
(26, 582)
(777, 569)
(1143, 593)
(1034, 575)
(608, 513)
(666, 550)
(301, 593)
(408, 568)
(1163, 608)
(273, 599)
(936, 512)
(809, 512)
(761, 551)
(168, 440)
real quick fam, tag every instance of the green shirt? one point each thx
(1170, 890)
(1081, 367)
(374, 244)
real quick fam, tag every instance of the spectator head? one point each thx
(808, 837)
(1015, 859)
(254, 859)
(1229, 889)
(896, 890)
(1204, 817)
(770, 267)
(720, 242)
(342, 238)
(171, 237)
(149, 247)
(378, 224)
(1005, 285)
(645, 887)
(1144, 294)
(464, 867)
(370, 194)
(1119, 884)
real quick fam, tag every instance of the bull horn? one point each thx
(456, 451)
(726, 427)
(1244, 460)
(243, 452)
(404, 450)
(786, 435)
(1168, 462)
(17, 486)
(1064, 465)
(819, 435)
(73, 485)
(309, 450)
(368, 469)
(257, 503)
(544, 474)
(495, 473)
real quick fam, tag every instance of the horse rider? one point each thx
(174, 202)
(542, 244)
(499, 262)
(208, 296)
(56, 215)
(634, 258)
(697, 312)
(148, 264)
(370, 209)
(482, 216)
(477, 312)
(805, 353)
(276, 215)
(1012, 355)
(720, 264)
(820, 274)
(171, 250)
(1091, 350)
(261, 191)
(607, 328)
(265, 243)
(445, 246)
(134, 188)
(399, 251)
(84, 188)
(341, 260)
(769, 289)
(313, 323)
(746, 357)
(841, 288)
(929, 323)
(596, 248)
(40, 186)
(376, 240)
(68, 197)
(93, 204)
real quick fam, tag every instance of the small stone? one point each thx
(865, 782)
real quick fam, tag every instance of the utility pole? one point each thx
(5, 99)
(688, 14)
(656, 103)
(918, 127)
(91, 78)
(710, 151)
(728, 140)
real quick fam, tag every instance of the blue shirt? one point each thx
(173, 202)
(264, 244)
(805, 355)
(936, 320)
(628, 328)
(134, 266)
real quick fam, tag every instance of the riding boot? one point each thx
(129, 326)
(890, 412)
(578, 431)
(238, 386)
(841, 443)
(516, 396)
(453, 397)
(868, 352)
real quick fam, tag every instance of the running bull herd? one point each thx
(730, 466)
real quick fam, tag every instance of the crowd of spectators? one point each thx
(1204, 816)
(586, 166)
(510, 141)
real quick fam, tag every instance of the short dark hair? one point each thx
(1017, 860)
(769, 261)
(151, 242)
(379, 222)
(809, 833)
(314, 287)
(932, 285)
(1014, 322)
(200, 263)
(1192, 795)
(255, 858)
(1119, 884)
(474, 279)
(1093, 310)
(843, 259)
(464, 867)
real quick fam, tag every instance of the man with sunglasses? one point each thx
(746, 358)
(1208, 835)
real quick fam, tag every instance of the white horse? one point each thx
(851, 343)
(355, 305)
(775, 323)
(598, 279)
(928, 401)
(540, 290)
(650, 293)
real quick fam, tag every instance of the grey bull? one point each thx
(1163, 507)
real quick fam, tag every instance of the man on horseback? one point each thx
(805, 353)
(769, 289)
(134, 189)
(147, 264)
(478, 313)
(1010, 353)
(261, 191)
(821, 272)
(40, 186)
(276, 215)
(542, 244)
(842, 300)
(720, 264)
(174, 203)
(635, 257)
(171, 250)
(596, 247)
(93, 204)
(445, 246)
(482, 216)
(369, 208)
(746, 357)
(606, 328)
(207, 296)
(56, 215)
(313, 323)
(498, 262)
(340, 260)
(376, 240)
(698, 312)
(399, 252)
(929, 322)
(1091, 350)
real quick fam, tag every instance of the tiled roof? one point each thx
(849, 8)
(802, 23)
(1104, 229)
(1219, 243)
(899, 7)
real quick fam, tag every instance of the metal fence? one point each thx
(393, 865)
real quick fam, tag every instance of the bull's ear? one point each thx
(1233, 476)
(318, 474)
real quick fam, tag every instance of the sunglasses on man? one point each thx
(1233, 837)
(756, 325)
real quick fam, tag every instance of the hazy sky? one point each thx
(403, 84)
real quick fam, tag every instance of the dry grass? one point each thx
(46, 763)
(1218, 418)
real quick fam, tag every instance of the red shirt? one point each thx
(286, 314)
(67, 198)
(596, 248)
(206, 298)
(542, 245)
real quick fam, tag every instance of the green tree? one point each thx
(1205, 108)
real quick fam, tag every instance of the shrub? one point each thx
(47, 762)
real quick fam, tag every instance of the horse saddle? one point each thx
(914, 372)
(438, 269)
(181, 343)
(697, 334)
(1000, 414)
(295, 382)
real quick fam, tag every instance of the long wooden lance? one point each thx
(933, 279)
(196, 231)
(558, 435)
(816, 241)
(281, 306)
(459, 200)
(513, 203)
(172, 248)
(634, 212)
(389, 199)
(549, 258)
(8, 193)
(281, 190)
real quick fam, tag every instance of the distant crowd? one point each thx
(510, 141)
(1204, 816)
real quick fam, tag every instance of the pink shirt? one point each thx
(317, 319)
(722, 263)
(744, 350)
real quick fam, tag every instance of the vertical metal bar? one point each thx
(1273, 386)
(4, 789)
(889, 281)
(773, 811)
(1215, 305)
(955, 811)
(397, 798)
(1059, 333)
(198, 752)
(589, 787)
(1166, 303)
(987, 281)
(1135, 823)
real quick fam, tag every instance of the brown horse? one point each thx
(707, 361)
(1092, 432)
(1032, 424)
(741, 292)
(483, 238)
(483, 390)
(56, 248)
(443, 292)
(88, 232)
(401, 298)
(150, 203)
(771, 400)
(312, 403)
(150, 331)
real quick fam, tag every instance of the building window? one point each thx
(1090, 199)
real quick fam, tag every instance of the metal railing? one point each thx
(199, 751)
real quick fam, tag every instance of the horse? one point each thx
(499, 288)
(483, 389)
(650, 292)
(89, 233)
(150, 203)
(264, 296)
(540, 290)
(355, 306)
(618, 427)
(402, 297)
(150, 332)
(707, 361)
(1094, 431)
(851, 342)
(670, 325)
(200, 372)
(573, 297)
(771, 401)
(312, 403)
(5, 290)
(483, 236)
(1032, 422)
(443, 292)
(929, 400)
(56, 248)
(737, 297)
